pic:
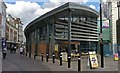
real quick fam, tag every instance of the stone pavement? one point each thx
(109, 65)
(14, 62)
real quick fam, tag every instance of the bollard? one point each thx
(79, 63)
(42, 57)
(47, 57)
(116, 57)
(68, 61)
(53, 58)
(60, 59)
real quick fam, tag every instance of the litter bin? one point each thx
(116, 57)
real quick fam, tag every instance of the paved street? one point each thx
(109, 65)
(14, 62)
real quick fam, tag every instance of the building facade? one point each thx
(70, 23)
(13, 31)
(2, 20)
(106, 35)
(110, 11)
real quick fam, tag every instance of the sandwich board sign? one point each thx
(93, 59)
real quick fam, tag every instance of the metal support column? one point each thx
(26, 44)
(101, 40)
(79, 59)
(52, 40)
(30, 45)
(69, 39)
(118, 29)
(36, 43)
(47, 42)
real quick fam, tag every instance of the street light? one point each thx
(118, 28)
(69, 39)
(101, 39)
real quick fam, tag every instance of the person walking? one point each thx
(12, 49)
(4, 51)
(15, 49)
(21, 51)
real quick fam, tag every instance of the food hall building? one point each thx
(70, 23)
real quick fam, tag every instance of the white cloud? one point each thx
(104, 0)
(57, 2)
(51, 5)
(28, 11)
(92, 6)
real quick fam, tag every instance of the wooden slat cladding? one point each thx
(33, 48)
(77, 43)
(42, 48)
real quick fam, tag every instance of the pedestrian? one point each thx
(4, 51)
(15, 49)
(12, 49)
(21, 51)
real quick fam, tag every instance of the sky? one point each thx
(28, 10)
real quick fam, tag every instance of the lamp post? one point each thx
(69, 39)
(101, 39)
(118, 29)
